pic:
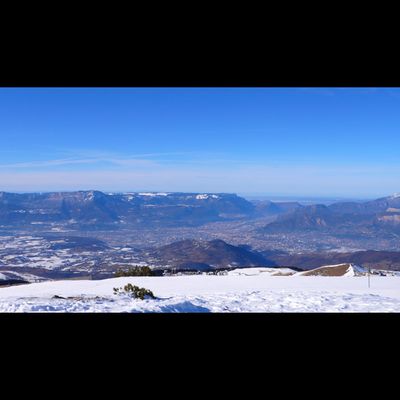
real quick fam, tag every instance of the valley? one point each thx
(80, 234)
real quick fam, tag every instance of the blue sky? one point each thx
(272, 141)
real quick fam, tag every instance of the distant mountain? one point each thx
(315, 217)
(72, 207)
(267, 207)
(381, 215)
(94, 209)
(380, 205)
(207, 255)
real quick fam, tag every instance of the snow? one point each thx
(261, 270)
(49, 262)
(90, 196)
(7, 275)
(259, 292)
(358, 269)
(151, 194)
(206, 196)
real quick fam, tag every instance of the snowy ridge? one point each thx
(262, 270)
(347, 270)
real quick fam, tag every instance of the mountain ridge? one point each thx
(93, 209)
(136, 208)
(382, 214)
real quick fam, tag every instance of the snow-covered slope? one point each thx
(262, 270)
(18, 276)
(209, 293)
(335, 270)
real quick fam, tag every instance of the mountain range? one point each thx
(95, 209)
(375, 216)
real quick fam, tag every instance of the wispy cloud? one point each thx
(196, 171)
(76, 162)
(118, 160)
(101, 154)
(46, 163)
(294, 180)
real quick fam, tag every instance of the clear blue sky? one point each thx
(273, 141)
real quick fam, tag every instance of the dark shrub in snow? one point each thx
(135, 292)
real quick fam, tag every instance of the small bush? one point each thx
(135, 292)
(134, 271)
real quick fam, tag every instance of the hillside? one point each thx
(335, 270)
(206, 255)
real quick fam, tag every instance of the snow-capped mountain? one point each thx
(98, 209)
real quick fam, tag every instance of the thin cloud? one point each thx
(271, 179)
(66, 162)
(135, 160)
(46, 163)
(101, 154)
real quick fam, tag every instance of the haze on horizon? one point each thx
(320, 142)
